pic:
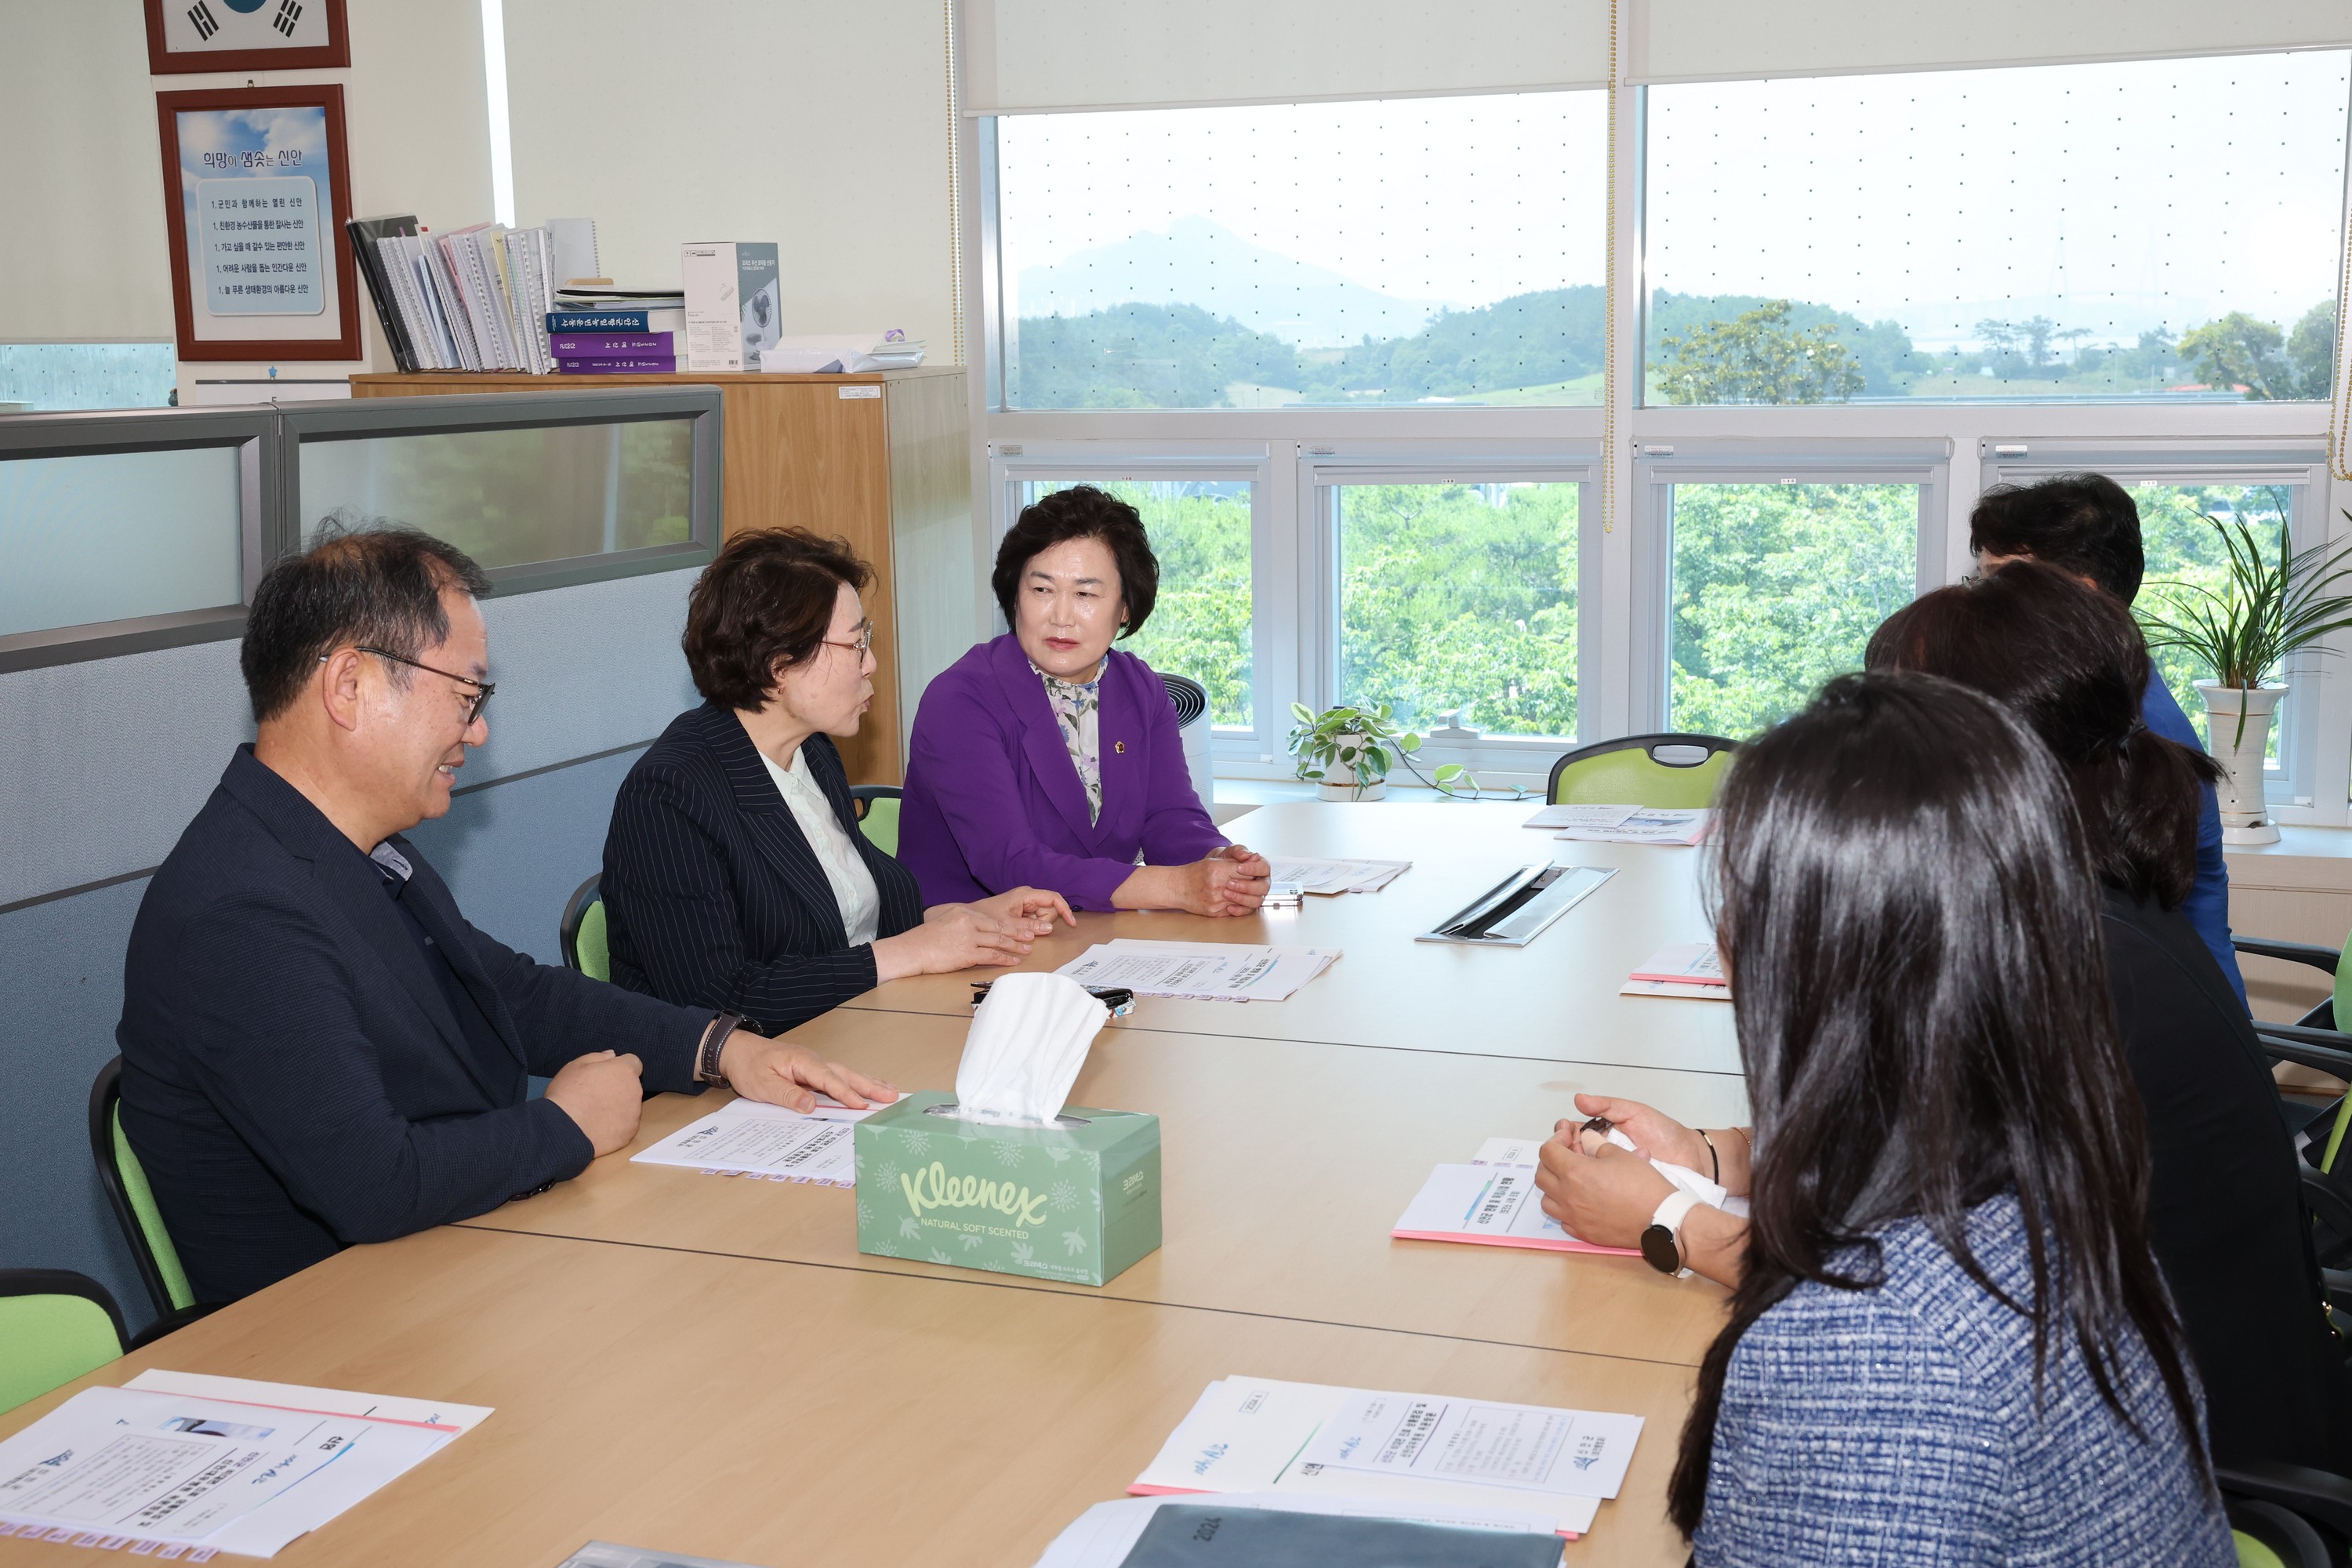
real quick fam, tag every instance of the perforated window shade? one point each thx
(1028, 56)
(1695, 40)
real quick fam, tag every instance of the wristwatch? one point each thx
(1661, 1244)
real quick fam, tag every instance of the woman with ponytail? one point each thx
(1949, 1342)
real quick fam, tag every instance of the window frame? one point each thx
(2315, 736)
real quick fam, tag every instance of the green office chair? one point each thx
(133, 1201)
(55, 1325)
(582, 934)
(1665, 771)
(878, 814)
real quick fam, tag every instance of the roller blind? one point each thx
(1026, 55)
(1694, 40)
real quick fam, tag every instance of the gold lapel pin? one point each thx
(1120, 746)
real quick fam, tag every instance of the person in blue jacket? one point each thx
(2087, 526)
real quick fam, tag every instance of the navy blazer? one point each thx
(713, 898)
(294, 1080)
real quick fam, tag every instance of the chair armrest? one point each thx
(2316, 1494)
(172, 1321)
(2336, 1285)
(2327, 1050)
(2292, 951)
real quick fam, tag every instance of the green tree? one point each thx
(2239, 350)
(1526, 340)
(1889, 363)
(1144, 356)
(1461, 598)
(1777, 588)
(1759, 356)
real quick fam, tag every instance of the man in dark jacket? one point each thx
(318, 1050)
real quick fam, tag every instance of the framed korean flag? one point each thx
(244, 35)
(256, 191)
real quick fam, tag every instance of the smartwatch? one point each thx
(1662, 1243)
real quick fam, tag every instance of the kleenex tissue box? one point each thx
(1079, 1201)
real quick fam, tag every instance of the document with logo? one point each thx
(1555, 817)
(1255, 1435)
(1531, 1447)
(1337, 876)
(1648, 825)
(176, 1476)
(1200, 971)
(1490, 1205)
(746, 1137)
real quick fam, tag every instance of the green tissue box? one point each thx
(1079, 1201)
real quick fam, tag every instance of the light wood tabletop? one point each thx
(1284, 1167)
(1554, 998)
(789, 1414)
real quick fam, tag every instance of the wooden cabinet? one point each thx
(882, 459)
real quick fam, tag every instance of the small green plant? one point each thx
(1367, 740)
(2274, 604)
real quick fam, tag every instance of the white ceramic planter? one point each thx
(2240, 749)
(1339, 778)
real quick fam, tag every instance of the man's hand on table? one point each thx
(792, 1076)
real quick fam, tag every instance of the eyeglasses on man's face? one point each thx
(476, 699)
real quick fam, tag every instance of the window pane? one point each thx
(36, 377)
(1200, 623)
(510, 497)
(117, 535)
(2185, 555)
(1460, 599)
(2163, 228)
(1417, 250)
(1777, 588)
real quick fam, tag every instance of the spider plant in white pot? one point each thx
(2272, 603)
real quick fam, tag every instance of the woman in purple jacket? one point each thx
(1044, 759)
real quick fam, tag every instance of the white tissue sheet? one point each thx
(1029, 1038)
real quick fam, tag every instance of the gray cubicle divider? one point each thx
(109, 756)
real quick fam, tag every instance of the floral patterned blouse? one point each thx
(1077, 709)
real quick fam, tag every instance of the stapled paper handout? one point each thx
(1029, 1038)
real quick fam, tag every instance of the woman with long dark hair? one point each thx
(1950, 1342)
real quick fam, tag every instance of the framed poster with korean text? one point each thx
(244, 35)
(256, 191)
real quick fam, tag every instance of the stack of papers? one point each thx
(181, 1465)
(1492, 1201)
(1337, 876)
(748, 1138)
(1625, 824)
(1690, 969)
(1200, 971)
(1461, 1459)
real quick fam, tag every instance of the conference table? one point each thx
(708, 1365)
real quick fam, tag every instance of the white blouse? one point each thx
(853, 884)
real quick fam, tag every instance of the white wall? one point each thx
(819, 125)
(83, 254)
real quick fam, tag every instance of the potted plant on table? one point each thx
(2272, 603)
(1348, 752)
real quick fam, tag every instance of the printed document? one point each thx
(1255, 1435)
(151, 1470)
(1528, 1152)
(1532, 1447)
(1691, 968)
(753, 1138)
(1337, 876)
(1648, 826)
(1103, 1535)
(1200, 971)
(1490, 1205)
(1589, 816)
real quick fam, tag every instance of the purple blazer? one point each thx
(993, 801)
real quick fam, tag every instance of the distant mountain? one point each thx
(1197, 262)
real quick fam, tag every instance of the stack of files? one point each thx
(1456, 1458)
(1690, 969)
(747, 1138)
(1270, 1530)
(1625, 824)
(596, 331)
(1200, 971)
(183, 1465)
(1337, 876)
(843, 352)
(475, 298)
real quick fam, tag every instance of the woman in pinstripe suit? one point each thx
(735, 876)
